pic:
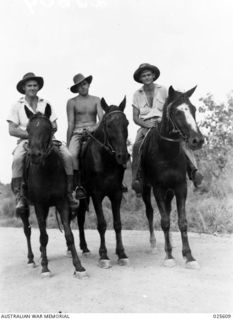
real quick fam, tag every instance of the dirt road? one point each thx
(143, 286)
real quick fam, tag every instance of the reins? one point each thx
(106, 144)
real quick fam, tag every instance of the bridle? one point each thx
(49, 146)
(175, 128)
(106, 144)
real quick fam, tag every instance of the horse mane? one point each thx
(111, 109)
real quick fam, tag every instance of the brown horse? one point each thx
(103, 164)
(164, 168)
(46, 186)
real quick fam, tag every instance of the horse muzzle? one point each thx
(195, 142)
(36, 157)
(122, 158)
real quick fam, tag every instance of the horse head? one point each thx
(181, 117)
(40, 132)
(115, 130)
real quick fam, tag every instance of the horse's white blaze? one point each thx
(189, 118)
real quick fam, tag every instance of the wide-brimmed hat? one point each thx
(143, 67)
(29, 76)
(78, 78)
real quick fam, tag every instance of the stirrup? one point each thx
(80, 193)
(21, 206)
(137, 187)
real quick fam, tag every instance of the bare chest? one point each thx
(150, 97)
(85, 108)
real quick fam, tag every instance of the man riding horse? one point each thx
(82, 111)
(17, 119)
(148, 102)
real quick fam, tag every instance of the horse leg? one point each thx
(101, 226)
(181, 194)
(146, 195)
(81, 221)
(24, 215)
(120, 251)
(160, 196)
(63, 209)
(42, 213)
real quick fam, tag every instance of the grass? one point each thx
(209, 210)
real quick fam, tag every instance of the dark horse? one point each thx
(46, 186)
(164, 168)
(103, 163)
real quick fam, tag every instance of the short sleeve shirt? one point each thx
(18, 115)
(141, 103)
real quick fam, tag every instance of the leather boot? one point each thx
(72, 202)
(79, 190)
(124, 188)
(17, 188)
(136, 168)
(197, 178)
(193, 173)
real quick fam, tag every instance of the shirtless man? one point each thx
(82, 112)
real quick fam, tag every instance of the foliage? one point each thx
(209, 209)
(217, 127)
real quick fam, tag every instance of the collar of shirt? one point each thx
(22, 100)
(156, 86)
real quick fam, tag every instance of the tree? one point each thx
(217, 127)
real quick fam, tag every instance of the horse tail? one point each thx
(58, 223)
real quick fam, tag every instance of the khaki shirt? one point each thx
(18, 115)
(140, 102)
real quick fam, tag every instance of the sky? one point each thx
(190, 42)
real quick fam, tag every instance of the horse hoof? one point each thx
(46, 274)
(170, 263)
(80, 275)
(105, 264)
(123, 262)
(86, 254)
(192, 265)
(154, 250)
(68, 254)
(31, 265)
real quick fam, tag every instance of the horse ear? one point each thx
(190, 92)
(171, 93)
(48, 111)
(122, 104)
(29, 113)
(104, 105)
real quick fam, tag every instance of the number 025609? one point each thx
(221, 316)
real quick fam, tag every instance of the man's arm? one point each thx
(139, 121)
(100, 111)
(54, 125)
(100, 114)
(70, 119)
(16, 131)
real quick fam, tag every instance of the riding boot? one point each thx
(72, 202)
(17, 188)
(79, 190)
(136, 170)
(193, 173)
(124, 188)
